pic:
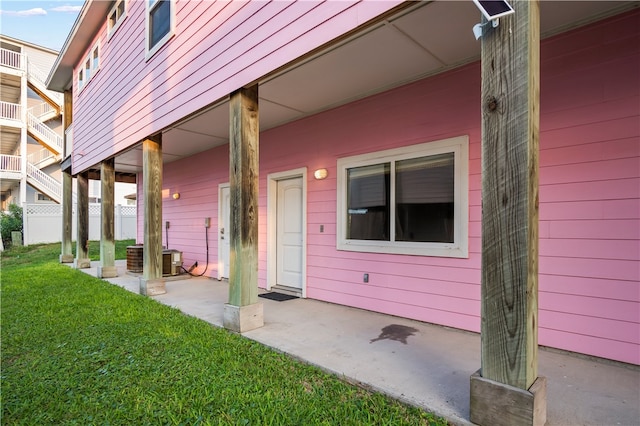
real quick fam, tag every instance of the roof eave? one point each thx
(88, 22)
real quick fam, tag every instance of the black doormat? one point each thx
(280, 297)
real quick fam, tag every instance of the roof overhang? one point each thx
(89, 21)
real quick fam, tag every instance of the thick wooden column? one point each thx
(107, 268)
(507, 390)
(66, 255)
(66, 252)
(243, 312)
(151, 282)
(82, 222)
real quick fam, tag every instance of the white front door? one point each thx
(289, 249)
(224, 223)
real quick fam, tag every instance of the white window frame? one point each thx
(81, 78)
(459, 146)
(46, 200)
(112, 28)
(85, 75)
(88, 74)
(150, 4)
(95, 67)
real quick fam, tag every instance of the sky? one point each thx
(45, 23)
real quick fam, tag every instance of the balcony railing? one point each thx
(10, 111)
(11, 59)
(19, 61)
(10, 163)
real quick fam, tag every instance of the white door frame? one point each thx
(220, 215)
(272, 220)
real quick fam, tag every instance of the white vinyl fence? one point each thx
(43, 223)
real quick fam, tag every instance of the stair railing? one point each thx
(36, 74)
(45, 133)
(41, 156)
(42, 110)
(46, 183)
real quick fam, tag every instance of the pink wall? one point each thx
(218, 47)
(589, 296)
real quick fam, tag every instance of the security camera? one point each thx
(478, 29)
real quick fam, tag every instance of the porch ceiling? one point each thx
(7, 185)
(421, 40)
(9, 139)
(10, 88)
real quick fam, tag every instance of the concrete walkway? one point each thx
(422, 364)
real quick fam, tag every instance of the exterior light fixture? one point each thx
(492, 10)
(320, 174)
(176, 195)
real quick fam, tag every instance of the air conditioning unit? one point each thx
(171, 262)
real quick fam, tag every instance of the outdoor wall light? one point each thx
(321, 174)
(492, 10)
(176, 195)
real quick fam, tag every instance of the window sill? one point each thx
(411, 249)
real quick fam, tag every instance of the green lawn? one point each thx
(77, 350)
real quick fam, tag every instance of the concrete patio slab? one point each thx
(419, 363)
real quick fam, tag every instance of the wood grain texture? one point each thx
(152, 194)
(67, 186)
(587, 227)
(497, 404)
(510, 135)
(66, 255)
(107, 241)
(82, 218)
(243, 180)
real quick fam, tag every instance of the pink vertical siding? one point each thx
(589, 195)
(217, 48)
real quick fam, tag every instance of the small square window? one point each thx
(80, 79)
(116, 15)
(160, 24)
(90, 67)
(87, 69)
(95, 58)
(41, 197)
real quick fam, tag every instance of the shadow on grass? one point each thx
(77, 350)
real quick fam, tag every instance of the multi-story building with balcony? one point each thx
(31, 141)
(31, 130)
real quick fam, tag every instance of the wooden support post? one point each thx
(508, 391)
(66, 255)
(107, 268)
(67, 119)
(151, 282)
(243, 312)
(82, 223)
